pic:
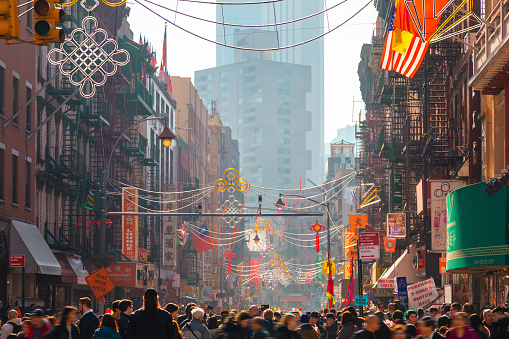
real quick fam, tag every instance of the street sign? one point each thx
(102, 301)
(402, 291)
(385, 283)
(369, 246)
(17, 260)
(389, 244)
(100, 282)
(361, 300)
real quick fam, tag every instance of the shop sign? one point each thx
(442, 264)
(207, 265)
(175, 280)
(383, 293)
(439, 191)
(130, 223)
(142, 255)
(422, 293)
(369, 246)
(100, 283)
(396, 225)
(170, 232)
(361, 300)
(402, 291)
(389, 244)
(17, 260)
(385, 283)
(123, 273)
(356, 222)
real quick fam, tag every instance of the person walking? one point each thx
(258, 328)
(372, 325)
(234, 328)
(332, 328)
(347, 326)
(288, 328)
(12, 326)
(383, 331)
(487, 316)
(108, 328)
(196, 329)
(39, 327)
(306, 330)
(427, 326)
(476, 324)
(126, 309)
(89, 322)
(460, 328)
(151, 321)
(66, 329)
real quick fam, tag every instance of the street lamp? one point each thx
(279, 203)
(166, 137)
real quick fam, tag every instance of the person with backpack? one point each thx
(195, 329)
(13, 325)
(108, 328)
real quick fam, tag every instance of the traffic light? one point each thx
(46, 16)
(9, 24)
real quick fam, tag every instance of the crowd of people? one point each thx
(152, 321)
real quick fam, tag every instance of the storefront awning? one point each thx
(403, 267)
(26, 239)
(79, 269)
(73, 270)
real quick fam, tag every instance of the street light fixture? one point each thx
(279, 204)
(166, 137)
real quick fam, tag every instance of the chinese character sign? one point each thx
(396, 225)
(207, 265)
(170, 232)
(123, 273)
(355, 223)
(130, 223)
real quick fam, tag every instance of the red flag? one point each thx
(168, 83)
(164, 48)
(330, 290)
(202, 240)
(141, 41)
(18, 310)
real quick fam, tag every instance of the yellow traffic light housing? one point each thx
(46, 17)
(9, 24)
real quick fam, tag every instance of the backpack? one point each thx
(15, 328)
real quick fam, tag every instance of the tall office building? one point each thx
(310, 54)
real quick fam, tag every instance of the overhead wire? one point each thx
(233, 3)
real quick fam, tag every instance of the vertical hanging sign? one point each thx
(170, 232)
(130, 223)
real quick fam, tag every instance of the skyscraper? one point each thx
(310, 54)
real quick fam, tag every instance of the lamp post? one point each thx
(166, 138)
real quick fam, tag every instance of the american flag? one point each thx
(406, 64)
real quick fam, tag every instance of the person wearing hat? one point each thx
(13, 325)
(40, 326)
(314, 320)
(306, 330)
(151, 321)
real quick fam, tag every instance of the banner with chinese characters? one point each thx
(355, 223)
(254, 269)
(439, 191)
(207, 265)
(170, 232)
(130, 223)
(123, 274)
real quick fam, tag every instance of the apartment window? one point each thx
(29, 17)
(283, 141)
(225, 113)
(240, 111)
(240, 91)
(226, 122)
(283, 161)
(240, 81)
(256, 170)
(257, 100)
(15, 96)
(224, 84)
(250, 80)
(283, 91)
(285, 102)
(240, 130)
(255, 90)
(256, 130)
(2, 171)
(240, 71)
(14, 179)
(201, 78)
(29, 109)
(27, 185)
(282, 170)
(283, 111)
(240, 101)
(2, 90)
(283, 131)
(284, 82)
(249, 69)
(249, 120)
(283, 121)
(283, 71)
(251, 109)
(225, 103)
(224, 94)
(239, 120)
(283, 150)
(256, 140)
(158, 98)
(224, 74)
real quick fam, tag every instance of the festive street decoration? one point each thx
(85, 223)
(88, 57)
(317, 228)
(231, 206)
(263, 225)
(229, 256)
(231, 178)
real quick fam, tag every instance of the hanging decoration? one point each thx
(229, 256)
(317, 228)
(231, 210)
(231, 178)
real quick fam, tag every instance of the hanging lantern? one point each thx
(317, 228)
(229, 256)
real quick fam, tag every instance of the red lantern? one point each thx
(229, 256)
(317, 228)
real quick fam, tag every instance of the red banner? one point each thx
(389, 244)
(130, 223)
(254, 269)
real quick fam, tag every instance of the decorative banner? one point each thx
(422, 293)
(325, 267)
(442, 264)
(130, 223)
(369, 246)
(170, 232)
(142, 255)
(100, 283)
(207, 265)
(402, 291)
(123, 273)
(254, 269)
(389, 244)
(396, 225)
(358, 221)
(386, 283)
(351, 236)
(439, 191)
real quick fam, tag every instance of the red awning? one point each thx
(293, 298)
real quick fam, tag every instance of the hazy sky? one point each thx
(187, 53)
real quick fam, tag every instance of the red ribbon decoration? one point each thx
(317, 228)
(229, 256)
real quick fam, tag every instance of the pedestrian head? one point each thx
(442, 321)
(108, 320)
(330, 318)
(397, 316)
(69, 315)
(420, 313)
(243, 318)
(427, 325)
(333, 311)
(487, 315)
(372, 323)
(277, 316)
(411, 317)
(381, 307)
(411, 330)
(391, 307)
(443, 330)
(398, 332)
(380, 315)
(468, 309)
(253, 311)
(313, 318)
(475, 322)
(347, 318)
(189, 308)
(459, 320)
(85, 304)
(198, 313)
(455, 307)
(268, 314)
(289, 320)
(37, 317)
(352, 310)
(12, 314)
(304, 319)
(172, 309)
(150, 301)
(126, 306)
(115, 308)
(257, 324)
(212, 323)
(433, 311)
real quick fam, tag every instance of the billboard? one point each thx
(130, 223)
(170, 231)
(439, 189)
(396, 225)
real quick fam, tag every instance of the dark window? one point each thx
(2, 90)
(14, 179)
(15, 95)
(29, 109)
(2, 171)
(27, 185)
(29, 17)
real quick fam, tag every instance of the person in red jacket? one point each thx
(40, 326)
